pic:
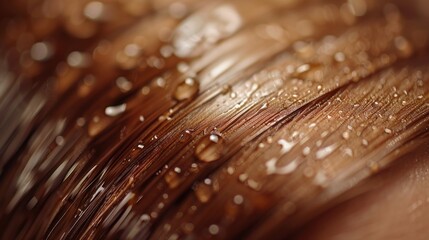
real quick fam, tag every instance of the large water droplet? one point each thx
(186, 90)
(209, 148)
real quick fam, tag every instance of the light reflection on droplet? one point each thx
(113, 111)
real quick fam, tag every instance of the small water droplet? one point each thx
(172, 179)
(186, 90)
(387, 130)
(226, 89)
(203, 192)
(348, 152)
(185, 136)
(286, 146)
(214, 229)
(132, 50)
(273, 169)
(145, 217)
(41, 51)
(95, 11)
(345, 135)
(113, 111)
(59, 140)
(306, 151)
(78, 59)
(209, 148)
(339, 57)
(80, 122)
(243, 177)
(373, 166)
(233, 95)
(160, 82)
(145, 90)
(124, 84)
(324, 152)
(238, 199)
(320, 178)
(303, 68)
(404, 46)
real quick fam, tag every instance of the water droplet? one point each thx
(94, 11)
(78, 59)
(364, 142)
(203, 192)
(41, 51)
(210, 148)
(59, 140)
(306, 151)
(113, 111)
(348, 152)
(253, 184)
(238, 199)
(387, 130)
(374, 167)
(188, 228)
(124, 84)
(145, 90)
(80, 122)
(286, 146)
(303, 68)
(141, 146)
(345, 135)
(243, 177)
(226, 89)
(186, 136)
(145, 217)
(233, 95)
(273, 169)
(141, 118)
(186, 90)
(324, 152)
(132, 50)
(160, 82)
(339, 57)
(213, 229)
(172, 179)
(404, 46)
(166, 51)
(320, 178)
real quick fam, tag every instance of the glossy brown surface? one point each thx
(191, 119)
